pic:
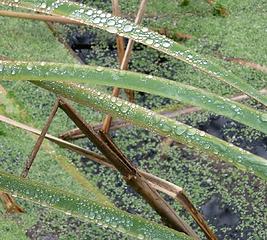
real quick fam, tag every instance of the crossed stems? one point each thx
(123, 55)
(143, 183)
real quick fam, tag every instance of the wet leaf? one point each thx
(136, 81)
(164, 126)
(116, 25)
(86, 209)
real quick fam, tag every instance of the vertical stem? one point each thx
(120, 51)
(138, 20)
(124, 55)
(39, 142)
(120, 40)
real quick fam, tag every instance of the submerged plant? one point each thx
(71, 82)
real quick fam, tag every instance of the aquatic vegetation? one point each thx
(71, 81)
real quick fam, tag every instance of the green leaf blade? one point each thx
(86, 209)
(213, 69)
(117, 25)
(164, 126)
(136, 81)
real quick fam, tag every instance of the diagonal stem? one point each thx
(176, 191)
(76, 133)
(39, 141)
(10, 204)
(130, 173)
(5, 197)
(187, 204)
(157, 183)
(38, 17)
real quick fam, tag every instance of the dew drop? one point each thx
(165, 128)
(166, 44)
(112, 29)
(144, 29)
(202, 134)
(113, 99)
(149, 41)
(92, 215)
(29, 67)
(81, 10)
(124, 109)
(206, 146)
(97, 20)
(119, 103)
(127, 28)
(43, 5)
(89, 12)
(140, 236)
(68, 213)
(111, 23)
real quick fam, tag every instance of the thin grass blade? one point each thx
(164, 126)
(85, 209)
(116, 25)
(136, 81)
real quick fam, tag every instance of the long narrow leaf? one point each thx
(135, 81)
(160, 124)
(106, 21)
(85, 209)
(63, 161)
